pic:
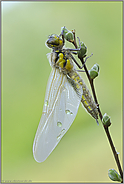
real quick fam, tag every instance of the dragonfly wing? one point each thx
(60, 108)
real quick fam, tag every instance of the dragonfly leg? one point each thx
(76, 62)
(79, 66)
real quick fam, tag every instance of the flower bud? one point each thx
(94, 71)
(106, 120)
(82, 51)
(64, 30)
(69, 36)
(114, 176)
(96, 67)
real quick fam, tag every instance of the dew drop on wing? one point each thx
(46, 103)
(61, 134)
(59, 124)
(68, 112)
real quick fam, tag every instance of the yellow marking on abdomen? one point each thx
(86, 98)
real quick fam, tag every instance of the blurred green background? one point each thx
(83, 155)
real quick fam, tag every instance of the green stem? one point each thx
(100, 114)
(105, 128)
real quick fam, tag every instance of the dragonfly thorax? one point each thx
(61, 59)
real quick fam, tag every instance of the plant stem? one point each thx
(105, 128)
(100, 114)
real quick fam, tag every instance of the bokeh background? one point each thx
(84, 154)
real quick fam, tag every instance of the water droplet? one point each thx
(59, 124)
(63, 131)
(67, 111)
(58, 137)
(61, 134)
(46, 103)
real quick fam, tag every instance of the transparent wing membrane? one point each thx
(59, 111)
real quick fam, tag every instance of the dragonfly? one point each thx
(64, 93)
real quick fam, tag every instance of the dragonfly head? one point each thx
(54, 42)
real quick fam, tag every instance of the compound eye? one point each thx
(54, 41)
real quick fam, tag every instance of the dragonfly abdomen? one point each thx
(86, 97)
